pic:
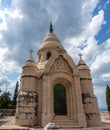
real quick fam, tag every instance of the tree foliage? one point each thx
(15, 94)
(108, 97)
(5, 100)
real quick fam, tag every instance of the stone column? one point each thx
(79, 106)
(46, 101)
(26, 112)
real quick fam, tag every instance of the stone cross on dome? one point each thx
(31, 51)
(80, 55)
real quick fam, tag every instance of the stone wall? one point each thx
(26, 112)
(7, 112)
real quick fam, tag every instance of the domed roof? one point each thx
(30, 62)
(30, 67)
(51, 41)
(82, 65)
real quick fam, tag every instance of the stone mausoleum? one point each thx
(54, 89)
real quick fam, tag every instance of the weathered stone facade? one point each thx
(54, 89)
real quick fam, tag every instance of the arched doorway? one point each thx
(60, 107)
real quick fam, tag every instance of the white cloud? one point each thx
(6, 15)
(7, 65)
(3, 25)
(88, 7)
(92, 29)
(4, 80)
(8, 85)
(107, 44)
(86, 42)
(96, 56)
(106, 77)
(101, 96)
(0, 2)
(101, 60)
(95, 25)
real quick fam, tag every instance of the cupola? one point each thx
(82, 65)
(30, 67)
(49, 45)
(83, 68)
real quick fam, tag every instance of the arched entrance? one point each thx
(60, 107)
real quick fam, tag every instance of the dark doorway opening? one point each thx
(60, 107)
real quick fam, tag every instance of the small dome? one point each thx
(30, 68)
(51, 41)
(30, 63)
(82, 65)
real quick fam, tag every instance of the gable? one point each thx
(60, 64)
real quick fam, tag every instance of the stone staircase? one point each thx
(65, 122)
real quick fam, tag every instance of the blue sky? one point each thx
(82, 26)
(104, 33)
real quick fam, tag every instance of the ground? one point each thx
(7, 123)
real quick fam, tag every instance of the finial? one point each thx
(80, 55)
(51, 28)
(31, 51)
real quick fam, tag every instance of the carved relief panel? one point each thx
(60, 64)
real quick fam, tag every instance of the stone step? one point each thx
(65, 123)
(68, 126)
(14, 128)
(2, 128)
(61, 117)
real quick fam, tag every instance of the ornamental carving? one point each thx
(60, 64)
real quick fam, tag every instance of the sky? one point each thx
(83, 26)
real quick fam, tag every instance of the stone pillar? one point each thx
(89, 100)
(27, 101)
(79, 106)
(26, 112)
(91, 109)
(46, 101)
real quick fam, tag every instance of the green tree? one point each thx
(108, 97)
(15, 94)
(5, 100)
